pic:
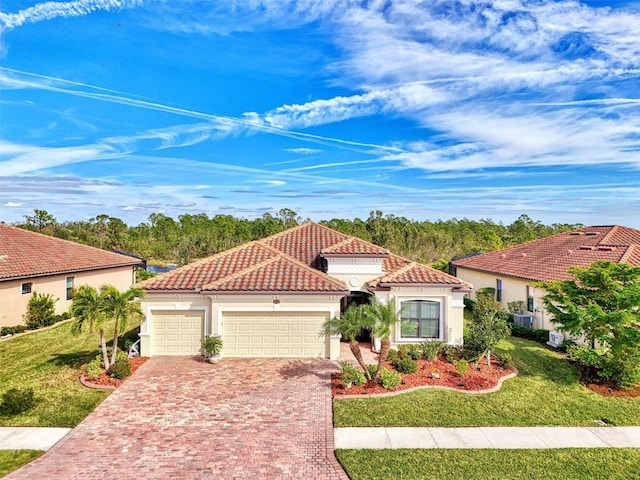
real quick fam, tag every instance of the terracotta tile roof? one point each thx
(549, 258)
(290, 261)
(417, 274)
(24, 254)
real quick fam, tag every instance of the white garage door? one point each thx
(274, 334)
(176, 332)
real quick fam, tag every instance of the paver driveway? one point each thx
(179, 418)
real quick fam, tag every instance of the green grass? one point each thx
(11, 460)
(49, 361)
(563, 464)
(546, 392)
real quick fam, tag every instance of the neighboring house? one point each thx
(32, 262)
(270, 298)
(514, 271)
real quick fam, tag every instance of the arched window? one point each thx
(420, 319)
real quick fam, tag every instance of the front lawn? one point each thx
(445, 464)
(11, 460)
(49, 362)
(547, 392)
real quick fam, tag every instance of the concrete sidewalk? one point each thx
(30, 438)
(486, 437)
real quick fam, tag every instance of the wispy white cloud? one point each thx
(50, 10)
(303, 150)
(12, 204)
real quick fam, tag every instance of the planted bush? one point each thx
(431, 350)
(405, 365)
(389, 379)
(452, 353)
(536, 334)
(392, 355)
(410, 350)
(350, 375)
(94, 368)
(12, 330)
(17, 400)
(462, 366)
(120, 369)
(41, 311)
(504, 359)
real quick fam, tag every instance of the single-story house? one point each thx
(32, 262)
(513, 271)
(270, 297)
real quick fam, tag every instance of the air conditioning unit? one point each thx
(555, 339)
(523, 319)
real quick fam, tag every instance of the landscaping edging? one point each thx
(412, 389)
(95, 386)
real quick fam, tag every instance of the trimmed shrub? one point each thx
(536, 334)
(40, 311)
(12, 330)
(389, 379)
(462, 366)
(504, 359)
(350, 375)
(452, 353)
(406, 365)
(94, 368)
(392, 355)
(411, 350)
(17, 400)
(430, 350)
(120, 369)
(371, 368)
(488, 292)
(468, 303)
(517, 307)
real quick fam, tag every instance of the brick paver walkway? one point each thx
(179, 418)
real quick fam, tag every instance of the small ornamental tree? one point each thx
(602, 303)
(487, 327)
(381, 317)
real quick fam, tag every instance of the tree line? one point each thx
(163, 239)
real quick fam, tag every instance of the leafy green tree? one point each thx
(349, 324)
(381, 317)
(601, 303)
(487, 327)
(40, 220)
(41, 310)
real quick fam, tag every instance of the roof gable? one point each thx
(24, 254)
(549, 258)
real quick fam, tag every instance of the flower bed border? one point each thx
(497, 387)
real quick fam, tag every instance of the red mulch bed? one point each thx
(475, 379)
(611, 391)
(105, 380)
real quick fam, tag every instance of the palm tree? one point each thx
(86, 309)
(120, 307)
(382, 317)
(349, 324)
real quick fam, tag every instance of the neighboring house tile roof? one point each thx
(291, 261)
(25, 254)
(549, 258)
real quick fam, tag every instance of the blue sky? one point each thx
(332, 108)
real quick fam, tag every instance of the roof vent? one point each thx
(591, 233)
(576, 233)
(587, 247)
(504, 255)
(606, 248)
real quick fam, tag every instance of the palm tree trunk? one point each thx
(385, 346)
(114, 348)
(105, 355)
(355, 349)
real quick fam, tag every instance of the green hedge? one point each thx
(537, 334)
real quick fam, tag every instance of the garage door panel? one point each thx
(176, 332)
(277, 334)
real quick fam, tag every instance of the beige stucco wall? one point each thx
(513, 290)
(451, 311)
(13, 304)
(215, 306)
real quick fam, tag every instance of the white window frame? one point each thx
(401, 300)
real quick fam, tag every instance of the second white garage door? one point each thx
(274, 334)
(176, 332)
